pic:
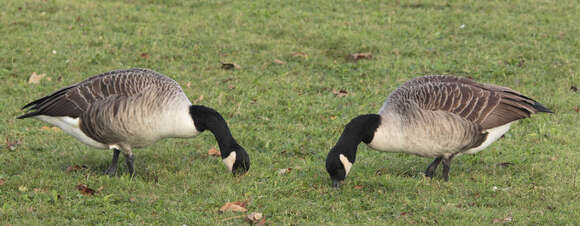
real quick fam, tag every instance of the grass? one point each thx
(286, 115)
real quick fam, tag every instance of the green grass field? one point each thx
(286, 115)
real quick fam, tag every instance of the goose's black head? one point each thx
(237, 161)
(338, 166)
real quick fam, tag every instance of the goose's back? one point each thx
(486, 105)
(438, 115)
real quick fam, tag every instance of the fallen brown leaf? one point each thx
(213, 152)
(340, 93)
(254, 217)
(576, 109)
(358, 187)
(231, 66)
(502, 220)
(300, 54)
(360, 56)
(284, 171)
(404, 213)
(188, 84)
(75, 168)
(85, 190)
(12, 145)
(53, 129)
(276, 61)
(2, 181)
(237, 206)
(262, 222)
(574, 88)
(145, 55)
(35, 78)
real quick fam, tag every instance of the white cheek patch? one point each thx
(347, 164)
(229, 161)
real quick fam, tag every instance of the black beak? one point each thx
(336, 184)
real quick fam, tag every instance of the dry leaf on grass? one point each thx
(188, 84)
(300, 54)
(85, 190)
(358, 187)
(254, 217)
(231, 66)
(35, 78)
(237, 206)
(360, 56)
(2, 181)
(340, 93)
(145, 55)
(284, 171)
(502, 220)
(576, 109)
(213, 152)
(574, 88)
(75, 168)
(53, 129)
(262, 222)
(11, 145)
(276, 61)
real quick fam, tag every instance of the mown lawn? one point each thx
(281, 107)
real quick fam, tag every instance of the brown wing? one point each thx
(487, 105)
(74, 100)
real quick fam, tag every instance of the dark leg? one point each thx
(113, 168)
(129, 160)
(446, 167)
(430, 171)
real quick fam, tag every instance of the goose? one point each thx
(436, 116)
(126, 109)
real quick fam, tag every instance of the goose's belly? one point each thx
(71, 126)
(399, 140)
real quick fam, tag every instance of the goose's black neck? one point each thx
(208, 119)
(359, 129)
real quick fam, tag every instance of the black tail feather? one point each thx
(542, 108)
(28, 115)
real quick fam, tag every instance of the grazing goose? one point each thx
(433, 116)
(126, 109)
